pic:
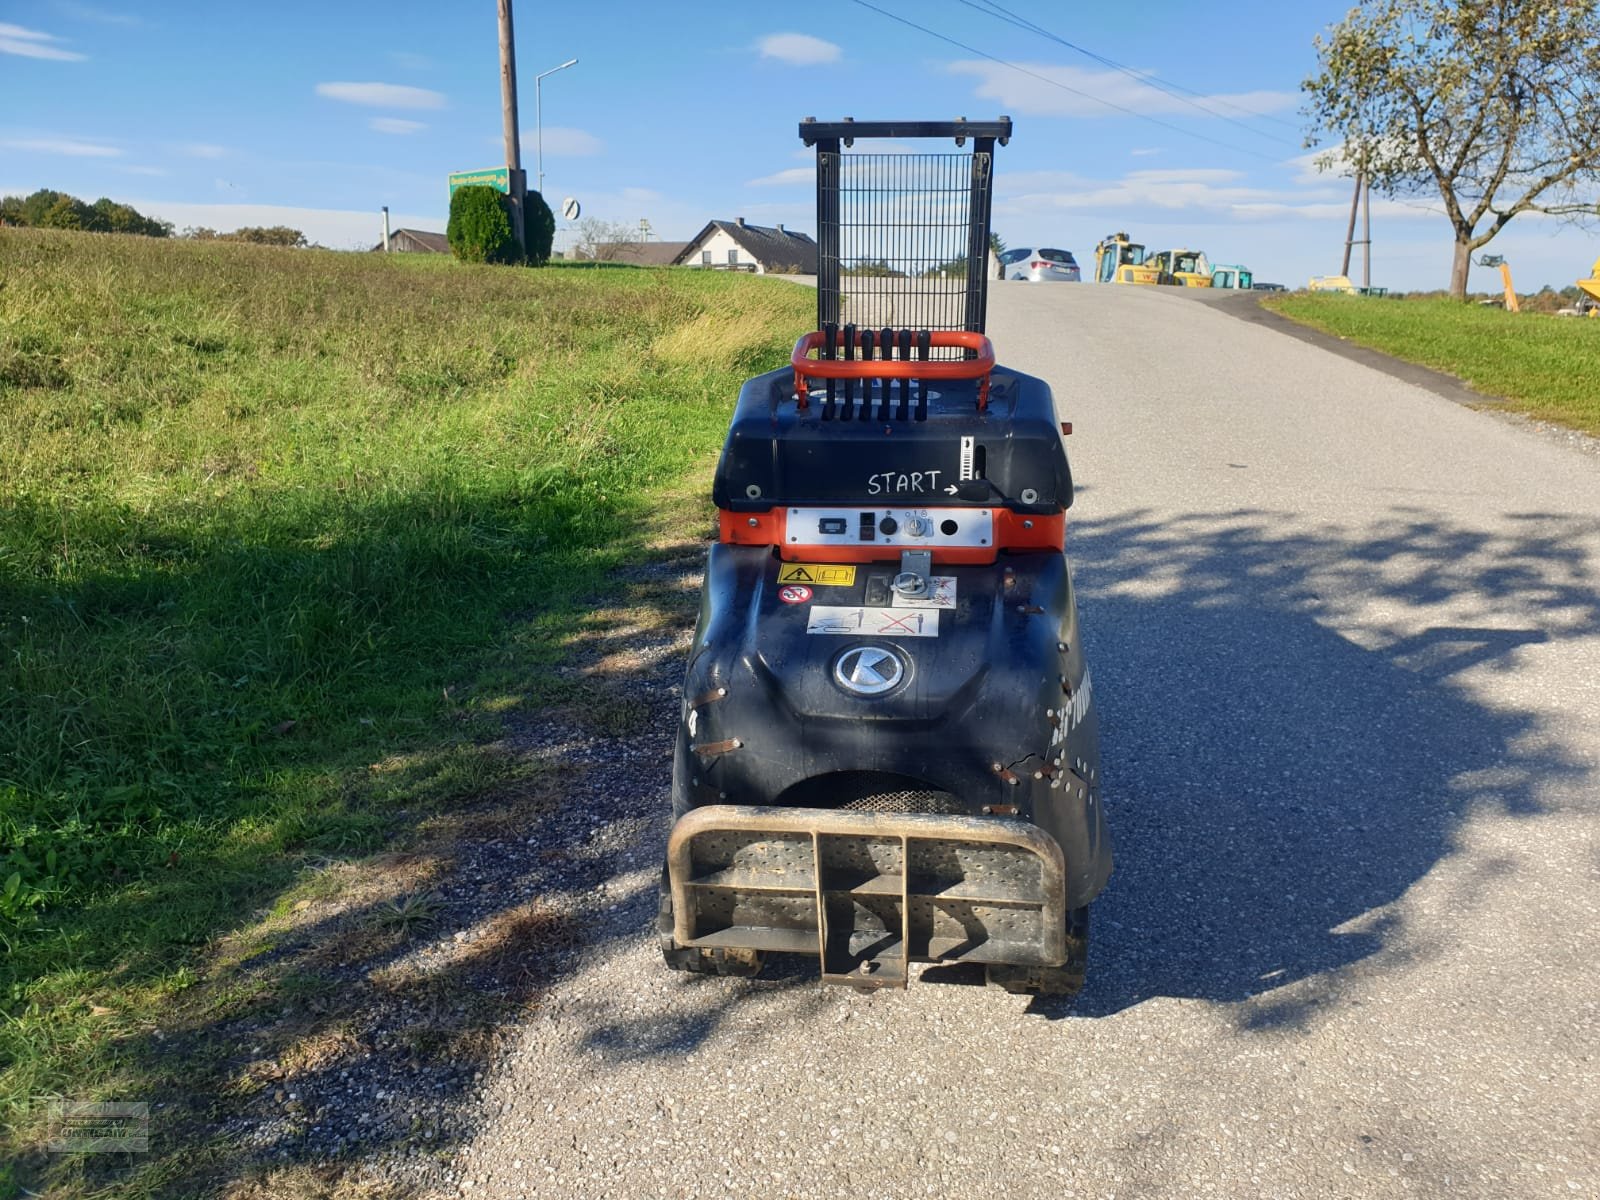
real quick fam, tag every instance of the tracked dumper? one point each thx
(888, 750)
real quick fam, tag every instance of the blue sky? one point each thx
(315, 115)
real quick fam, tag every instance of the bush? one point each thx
(540, 226)
(480, 227)
(46, 209)
(479, 230)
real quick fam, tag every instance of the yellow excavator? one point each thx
(1186, 268)
(1117, 260)
(1589, 302)
(1498, 260)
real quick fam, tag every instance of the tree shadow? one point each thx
(1275, 786)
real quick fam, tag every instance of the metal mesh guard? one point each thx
(903, 240)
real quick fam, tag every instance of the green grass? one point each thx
(1542, 366)
(267, 519)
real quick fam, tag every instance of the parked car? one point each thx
(1039, 265)
(1268, 287)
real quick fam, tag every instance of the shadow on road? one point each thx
(1274, 786)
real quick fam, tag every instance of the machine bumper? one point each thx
(867, 893)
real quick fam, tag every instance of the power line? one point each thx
(1176, 90)
(1056, 83)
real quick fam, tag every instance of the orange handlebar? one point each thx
(882, 368)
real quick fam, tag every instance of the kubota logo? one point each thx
(868, 670)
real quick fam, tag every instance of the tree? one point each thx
(539, 228)
(603, 240)
(479, 229)
(1492, 104)
(46, 209)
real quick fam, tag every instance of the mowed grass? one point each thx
(1543, 366)
(269, 518)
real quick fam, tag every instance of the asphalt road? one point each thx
(1346, 642)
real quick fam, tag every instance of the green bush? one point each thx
(479, 230)
(540, 225)
(47, 209)
(480, 227)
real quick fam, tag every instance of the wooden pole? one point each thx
(517, 181)
(1350, 233)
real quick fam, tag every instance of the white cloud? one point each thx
(562, 142)
(101, 16)
(30, 43)
(1144, 151)
(382, 95)
(71, 147)
(1321, 165)
(395, 125)
(1044, 93)
(410, 61)
(798, 49)
(792, 177)
(202, 150)
(141, 170)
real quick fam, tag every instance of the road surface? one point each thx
(1346, 641)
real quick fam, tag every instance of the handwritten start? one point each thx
(913, 483)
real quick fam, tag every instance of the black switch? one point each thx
(868, 531)
(887, 526)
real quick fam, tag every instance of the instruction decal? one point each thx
(941, 593)
(873, 622)
(794, 593)
(818, 574)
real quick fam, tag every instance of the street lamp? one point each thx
(538, 116)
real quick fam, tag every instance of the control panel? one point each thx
(898, 528)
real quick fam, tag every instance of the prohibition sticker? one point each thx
(794, 593)
(818, 574)
(941, 594)
(873, 622)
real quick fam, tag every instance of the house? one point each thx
(417, 240)
(637, 254)
(738, 246)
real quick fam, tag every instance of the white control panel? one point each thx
(893, 526)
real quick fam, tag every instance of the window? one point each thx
(733, 256)
(705, 258)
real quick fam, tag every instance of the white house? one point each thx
(739, 246)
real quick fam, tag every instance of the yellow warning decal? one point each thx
(818, 574)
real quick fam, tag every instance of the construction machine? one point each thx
(1186, 268)
(1232, 275)
(1589, 302)
(888, 747)
(1118, 260)
(1498, 260)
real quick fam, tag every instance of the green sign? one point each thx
(498, 178)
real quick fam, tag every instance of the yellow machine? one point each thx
(1331, 283)
(1117, 260)
(1186, 268)
(1497, 260)
(1589, 303)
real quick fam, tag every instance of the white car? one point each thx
(1039, 265)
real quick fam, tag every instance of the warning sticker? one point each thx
(876, 622)
(818, 574)
(794, 593)
(941, 593)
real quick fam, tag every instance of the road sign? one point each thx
(498, 178)
(570, 209)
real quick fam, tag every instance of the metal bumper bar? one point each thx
(867, 892)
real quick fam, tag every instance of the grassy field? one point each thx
(1542, 366)
(267, 519)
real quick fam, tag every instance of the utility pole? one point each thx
(1350, 232)
(1366, 234)
(517, 181)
